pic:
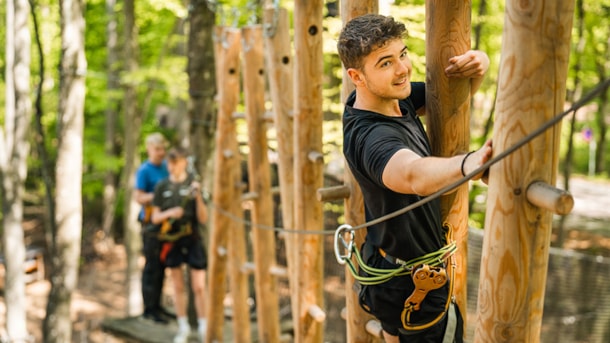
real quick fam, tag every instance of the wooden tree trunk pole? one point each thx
(66, 250)
(356, 318)
(280, 64)
(226, 198)
(259, 178)
(201, 74)
(308, 72)
(14, 152)
(531, 90)
(448, 117)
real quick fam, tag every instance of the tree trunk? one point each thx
(202, 87)
(110, 180)
(515, 250)
(478, 28)
(357, 318)
(259, 180)
(600, 116)
(133, 124)
(573, 96)
(40, 140)
(67, 240)
(448, 120)
(308, 167)
(13, 170)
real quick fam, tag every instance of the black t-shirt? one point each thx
(169, 194)
(370, 140)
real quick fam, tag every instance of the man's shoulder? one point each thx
(146, 165)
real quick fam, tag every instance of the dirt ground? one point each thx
(101, 292)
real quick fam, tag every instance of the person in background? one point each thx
(179, 209)
(388, 152)
(153, 170)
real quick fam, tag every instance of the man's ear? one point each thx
(356, 76)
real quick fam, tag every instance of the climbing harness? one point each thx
(427, 279)
(166, 235)
(428, 272)
(378, 275)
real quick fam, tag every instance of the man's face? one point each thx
(386, 72)
(156, 153)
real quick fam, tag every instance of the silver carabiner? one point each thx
(348, 246)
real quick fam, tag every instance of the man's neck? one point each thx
(386, 107)
(178, 178)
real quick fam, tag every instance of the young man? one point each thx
(153, 170)
(388, 152)
(178, 208)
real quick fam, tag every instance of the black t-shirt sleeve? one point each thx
(381, 144)
(418, 94)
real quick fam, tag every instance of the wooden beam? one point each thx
(227, 179)
(531, 90)
(259, 179)
(543, 195)
(279, 57)
(356, 317)
(333, 193)
(448, 117)
(308, 177)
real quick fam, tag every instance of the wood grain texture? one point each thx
(448, 117)
(259, 179)
(356, 317)
(280, 62)
(308, 119)
(227, 233)
(531, 90)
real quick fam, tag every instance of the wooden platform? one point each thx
(138, 329)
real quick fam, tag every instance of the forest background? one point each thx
(150, 67)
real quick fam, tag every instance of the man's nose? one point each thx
(403, 67)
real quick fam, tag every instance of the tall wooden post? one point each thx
(226, 196)
(448, 116)
(531, 90)
(356, 318)
(308, 167)
(259, 179)
(279, 58)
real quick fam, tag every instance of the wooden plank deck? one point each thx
(140, 330)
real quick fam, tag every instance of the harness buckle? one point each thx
(348, 246)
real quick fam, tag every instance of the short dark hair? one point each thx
(364, 34)
(176, 153)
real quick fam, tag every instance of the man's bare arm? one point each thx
(142, 197)
(409, 173)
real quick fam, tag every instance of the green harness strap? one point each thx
(378, 275)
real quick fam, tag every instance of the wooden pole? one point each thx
(448, 117)
(308, 177)
(356, 319)
(280, 65)
(531, 90)
(226, 196)
(259, 179)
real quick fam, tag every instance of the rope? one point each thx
(267, 227)
(602, 86)
(526, 139)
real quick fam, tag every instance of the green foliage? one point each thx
(161, 77)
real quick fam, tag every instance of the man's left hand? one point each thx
(472, 64)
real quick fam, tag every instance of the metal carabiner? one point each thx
(348, 246)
